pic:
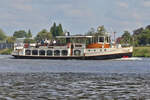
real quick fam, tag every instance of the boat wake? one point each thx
(129, 59)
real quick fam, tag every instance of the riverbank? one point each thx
(6, 51)
(141, 51)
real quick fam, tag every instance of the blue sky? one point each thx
(76, 16)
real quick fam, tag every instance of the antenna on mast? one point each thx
(113, 35)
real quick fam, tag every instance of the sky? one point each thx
(76, 16)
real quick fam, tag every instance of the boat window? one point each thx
(78, 45)
(64, 52)
(28, 52)
(101, 39)
(68, 40)
(42, 52)
(57, 53)
(49, 52)
(34, 52)
(77, 52)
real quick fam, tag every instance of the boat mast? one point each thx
(115, 37)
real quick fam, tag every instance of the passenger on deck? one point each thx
(54, 42)
(42, 42)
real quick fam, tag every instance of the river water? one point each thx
(30, 79)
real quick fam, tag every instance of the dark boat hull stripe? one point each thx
(98, 57)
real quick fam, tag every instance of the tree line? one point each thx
(55, 30)
(140, 37)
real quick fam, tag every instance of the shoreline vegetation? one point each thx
(143, 51)
(140, 37)
(6, 51)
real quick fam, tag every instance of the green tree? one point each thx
(29, 34)
(43, 34)
(27, 40)
(126, 38)
(59, 30)
(144, 37)
(10, 39)
(138, 31)
(91, 32)
(138, 37)
(53, 30)
(148, 27)
(19, 34)
(2, 35)
(101, 30)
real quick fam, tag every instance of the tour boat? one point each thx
(73, 47)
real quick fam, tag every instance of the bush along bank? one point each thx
(6, 51)
(141, 52)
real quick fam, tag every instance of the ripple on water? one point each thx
(43, 86)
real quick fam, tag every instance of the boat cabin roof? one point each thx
(74, 36)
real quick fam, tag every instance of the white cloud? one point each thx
(23, 5)
(136, 16)
(146, 3)
(75, 15)
(71, 11)
(78, 13)
(123, 4)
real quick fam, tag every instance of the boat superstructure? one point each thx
(73, 47)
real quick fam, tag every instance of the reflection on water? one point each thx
(24, 79)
